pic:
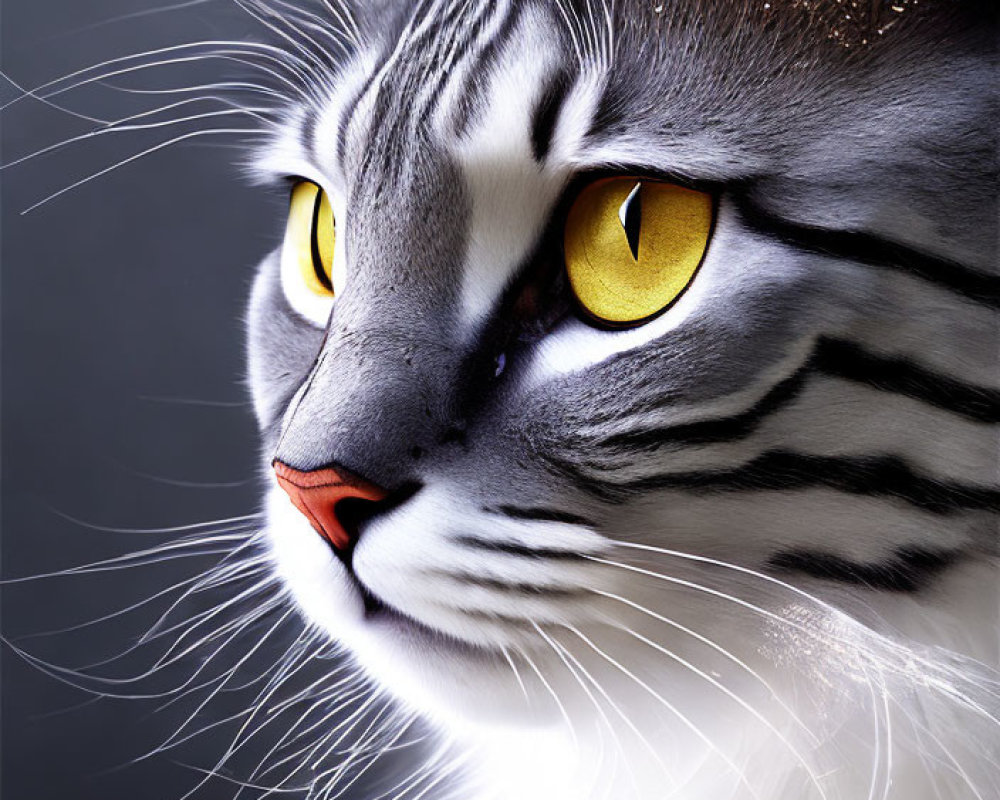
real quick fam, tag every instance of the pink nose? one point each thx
(318, 493)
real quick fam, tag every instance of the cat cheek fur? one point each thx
(738, 551)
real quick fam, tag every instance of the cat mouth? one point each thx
(355, 516)
(381, 617)
(374, 607)
(379, 613)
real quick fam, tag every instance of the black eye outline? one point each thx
(317, 266)
(326, 281)
(581, 182)
(544, 269)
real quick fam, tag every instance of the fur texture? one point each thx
(746, 550)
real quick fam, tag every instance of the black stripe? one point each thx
(909, 570)
(546, 114)
(527, 589)
(844, 359)
(523, 551)
(836, 358)
(472, 30)
(719, 429)
(351, 107)
(493, 616)
(495, 45)
(465, 106)
(567, 470)
(869, 249)
(319, 268)
(539, 515)
(876, 476)
(381, 102)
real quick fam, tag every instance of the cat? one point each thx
(725, 533)
(627, 388)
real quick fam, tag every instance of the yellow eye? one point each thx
(633, 245)
(311, 237)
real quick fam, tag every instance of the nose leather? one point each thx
(317, 494)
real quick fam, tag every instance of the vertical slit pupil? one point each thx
(317, 258)
(630, 215)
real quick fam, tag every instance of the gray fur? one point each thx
(890, 142)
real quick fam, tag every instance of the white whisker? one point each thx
(275, 54)
(561, 653)
(46, 102)
(113, 615)
(669, 706)
(517, 674)
(905, 655)
(555, 697)
(234, 631)
(234, 87)
(253, 650)
(310, 57)
(173, 529)
(173, 653)
(444, 774)
(262, 768)
(220, 575)
(623, 716)
(258, 703)
(153, 555)
(149, 151)
(316, 25)
(248, 571)
(719, 649)
(136, 15)
(737, 699)
(209, 774)
(374, 760)
(345, 729)
(346, 21)
(955, 763)
(119, 126)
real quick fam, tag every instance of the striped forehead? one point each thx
(512, 153)
(496, 100)
(406, 80)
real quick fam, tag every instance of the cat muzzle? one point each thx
(319, 494)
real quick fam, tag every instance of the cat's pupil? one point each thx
(317, 256)
(630, 215)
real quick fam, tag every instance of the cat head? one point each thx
(591, 308)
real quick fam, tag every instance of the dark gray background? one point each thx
(121, 302)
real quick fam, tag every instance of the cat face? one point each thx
(813, 403)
